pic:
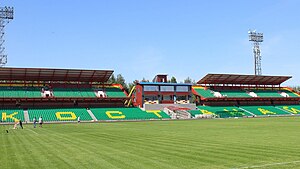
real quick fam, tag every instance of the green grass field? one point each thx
(220, 143)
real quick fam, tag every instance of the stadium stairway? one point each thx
(265, 110)
(292, 109)
(128, 102)
(247, 111)
(26, 116)
(170, 113)
(177, 114)
(220, 111)
(182, 114)
(91, 114)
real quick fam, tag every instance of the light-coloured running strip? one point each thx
(266, 165)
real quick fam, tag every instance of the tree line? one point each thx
(296, 88)
(128, 86)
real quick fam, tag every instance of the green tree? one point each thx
(121, 80)
(144, 80)
(188, 80)
(173, 80)
(194, 82)
(131, 85)
(296, 88)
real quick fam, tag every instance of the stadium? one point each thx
(78, 118)
(63, 95)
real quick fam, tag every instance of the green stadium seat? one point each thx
(87, 92)
(114, 92)
(22, 92)
(220, 111)
(265, 110)
(127, 114)
(267, 93)
(11, 115)
(293, 109)
(290, 93)
(60, 114)
(234, 93)
(206, 93)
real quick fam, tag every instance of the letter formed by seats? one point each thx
(115, 115)
(265, 111)
(156, 112)
(6, 116)
(291, 110)
(233, 112)
(65, 116)
(205, 111)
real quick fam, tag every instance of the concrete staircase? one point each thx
(26, 116)
(182, 114)
(178, 114)
(92, 115)
(162, 106)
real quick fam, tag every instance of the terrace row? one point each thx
(94, 114)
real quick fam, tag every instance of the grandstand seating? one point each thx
(225, 112)
(267, 93)
(11, 115)
(60, 114)
(234, 93)
(294, 109)
(114, 92)
(290, 93)
(220, 111)
(265, 110)
(73, 92)
(22, 92)
(87, 92)
(206, 93)
(127, 114)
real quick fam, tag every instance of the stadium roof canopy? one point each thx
(164, 84)
(242, 79)
(46, 74)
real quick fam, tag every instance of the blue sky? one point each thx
(140, 38)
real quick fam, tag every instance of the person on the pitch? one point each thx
(41, 121)
(34, 122)
(16, 125)
(21, 124)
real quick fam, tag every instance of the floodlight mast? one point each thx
(6, 15)
(256, 38)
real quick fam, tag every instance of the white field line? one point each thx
(266, 165)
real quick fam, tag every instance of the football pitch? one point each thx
(217, 143)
